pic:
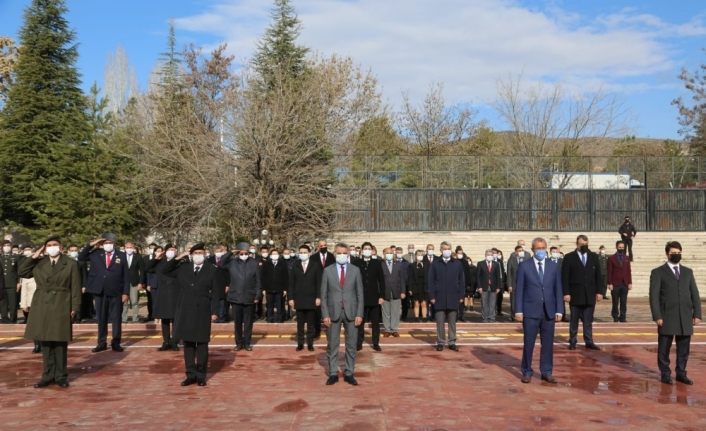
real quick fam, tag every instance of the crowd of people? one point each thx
(350, 286)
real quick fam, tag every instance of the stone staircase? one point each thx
(648, 247)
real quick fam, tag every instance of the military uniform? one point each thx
(58, 294)
(8, 301)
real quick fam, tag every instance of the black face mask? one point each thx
(323, 250)
(621, 251)
(675, 258)
(583, 249)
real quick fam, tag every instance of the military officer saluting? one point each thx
(54, 305)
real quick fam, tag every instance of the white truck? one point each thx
(585, 181)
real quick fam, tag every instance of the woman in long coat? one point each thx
(418, 286)
(55, 303)
(165, 295)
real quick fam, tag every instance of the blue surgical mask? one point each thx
(540, 254)
(446, 254)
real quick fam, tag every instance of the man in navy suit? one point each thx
(108, 280)
(538, 305)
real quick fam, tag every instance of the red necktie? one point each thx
(107, 259)
(342, 280)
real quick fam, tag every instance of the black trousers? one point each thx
(499, 301)
(308, 317)
(243, 319)
(373, 315)
(664, 346)
(196, 359)
(149, 305)
(54, 358)
(619, 296)
(8, 305)
(406, 304)
(109, 309)
(88, 311)
(628, 246)
(167, 325)
(274, 307)
(585, 315)
(317, 323)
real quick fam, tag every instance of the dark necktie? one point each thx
(541, 272)
(676, 272)
(196, 270)
(583, 259)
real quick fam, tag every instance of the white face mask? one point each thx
(410, 251)
(252, 251)
(354, 253)
(430, 252)
(170, 254)
(556, 255)
(459, 255)
(285, 256)
(304, 257)
(6, 250)
(367, 253)
(375, 256)
(130, 251)
(219, 254)
(341, 259)
(28, 253)
(420, 258)
(108, 248)
(489, 258)
(446, 253)
(53, 250)
(389, 256)
(151, 251)
(198, 258)
(274, 257)
(73, 254)
(264, 255)
(243, 257)
(399, 255)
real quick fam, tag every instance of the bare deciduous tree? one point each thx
(549, 128)
(120, 81)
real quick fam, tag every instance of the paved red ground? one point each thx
(408, 386)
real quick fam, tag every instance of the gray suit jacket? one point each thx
(337, 303)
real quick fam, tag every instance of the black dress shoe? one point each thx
(526, 379)
(43, 384)
(667, 380)
(117, 348)
(175, 347)
(358, 348)
(572, 346)
(201, 382)
(164, 348)
(248, 348)
(188, 381)
(685, 380)
(350, 380)
(453, 347)
(300, 348)
(64, 384)
(238, 348)
(592, 346)
(37, 349)
(99, 348)
(549, 379)
(332, 380)
(439, 347)
(310, 348)
(377, 348)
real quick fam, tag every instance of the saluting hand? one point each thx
(96, 242)
(39, 252)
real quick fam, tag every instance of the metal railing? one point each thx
(516, 172)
